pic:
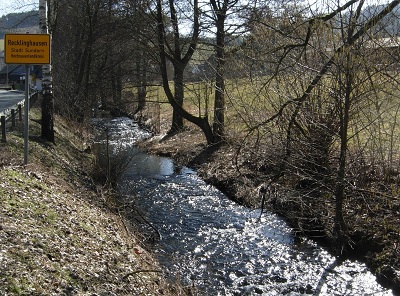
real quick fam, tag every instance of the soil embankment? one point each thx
(372, 219)
(60, 234)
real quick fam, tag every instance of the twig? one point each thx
(140, 271)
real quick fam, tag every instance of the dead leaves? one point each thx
(55, 242)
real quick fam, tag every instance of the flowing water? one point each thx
(221, 248)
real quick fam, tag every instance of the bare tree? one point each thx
(95, 57)
(47, 17)
(201, 122)
(179, 50)
(319, 58)
(215, 15)
(220, 9)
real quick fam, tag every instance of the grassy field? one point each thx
(373, 126)
(304, 192)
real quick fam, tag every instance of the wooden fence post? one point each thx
(13, 118)
(3, 129)
(19, 112)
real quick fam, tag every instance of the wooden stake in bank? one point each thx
(27, 49)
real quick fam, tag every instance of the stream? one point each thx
(206, 240)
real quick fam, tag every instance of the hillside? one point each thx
(61, 234)
(19, 23)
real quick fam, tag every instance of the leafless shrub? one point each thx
(111, 161)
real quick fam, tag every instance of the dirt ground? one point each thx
(62, 234)
(372, 217)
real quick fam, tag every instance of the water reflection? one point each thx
(225, 249)
(146, 165)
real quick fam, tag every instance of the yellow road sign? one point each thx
(31, 49)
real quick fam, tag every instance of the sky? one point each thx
(10, 6)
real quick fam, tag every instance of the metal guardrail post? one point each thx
(3, 129)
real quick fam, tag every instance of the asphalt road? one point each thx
(10, 99)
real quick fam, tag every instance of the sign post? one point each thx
(27, 49)
(26, 116)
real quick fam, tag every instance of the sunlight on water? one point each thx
(226, 249)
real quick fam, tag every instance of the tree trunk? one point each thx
(141, 78)
(340, 224)
(219, 104)
(177, 118)
(201, 122)
(48, 99)
(179, 64)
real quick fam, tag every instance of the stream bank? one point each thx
(374, 224)
(208, 241)
(59, 233)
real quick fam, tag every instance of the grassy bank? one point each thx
(58, 233)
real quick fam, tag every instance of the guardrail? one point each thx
(12, 113)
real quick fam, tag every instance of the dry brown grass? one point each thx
(371, 211)
(58, 235)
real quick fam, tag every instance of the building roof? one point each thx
(19, 70)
